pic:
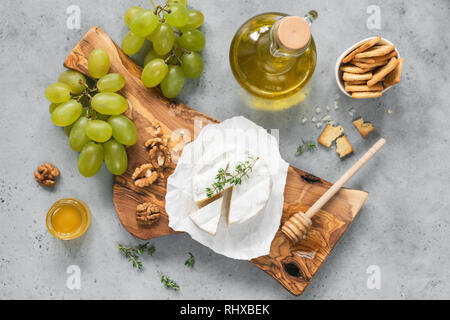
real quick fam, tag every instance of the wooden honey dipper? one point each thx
(299, 224)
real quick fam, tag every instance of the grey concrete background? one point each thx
(403, 227)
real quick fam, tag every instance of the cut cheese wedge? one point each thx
(207, 218)
(251, 196)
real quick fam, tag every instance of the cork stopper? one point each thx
(293, 33)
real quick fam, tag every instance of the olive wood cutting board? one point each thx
(293, 266)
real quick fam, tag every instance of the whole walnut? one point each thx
(46, 174)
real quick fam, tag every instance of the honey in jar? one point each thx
(68, 219)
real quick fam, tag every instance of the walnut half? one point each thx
(160, 157)
(147, 213)
(145, 175)
(46, 174)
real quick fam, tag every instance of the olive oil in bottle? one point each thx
(273, 56)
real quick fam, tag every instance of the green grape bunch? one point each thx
(90, 110)
(173, 32)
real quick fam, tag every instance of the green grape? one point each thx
(109, 103)
(150, 36)
(195, 20)
(131, 43)
(78, 137)
(130, 14)
(151, 55)
(111, 82)
(58, 92)
(98, 130)
(183, 2)
(173, 83)
(90, 159)
(192, 65)
(163, 38)
(73, 79)
(116, 159)
(154, 72)
(98, 63)
(68, 129)
(123, 130)
(177, 16)
(52, 107)
(144, 23)
(192, 40)
(67, 113)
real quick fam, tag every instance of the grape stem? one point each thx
(89, 93)
(185, 50)
(172, 54)
(159, 8)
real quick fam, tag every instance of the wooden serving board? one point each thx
(292, 266)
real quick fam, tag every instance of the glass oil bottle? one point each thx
(273, 57)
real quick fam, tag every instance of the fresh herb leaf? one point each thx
(134, 253)
(169, 283)
(191, 261)
(311, 146)
(224, 178)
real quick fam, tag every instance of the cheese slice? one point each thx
(204, 175)
(251, 196)
(207, 218)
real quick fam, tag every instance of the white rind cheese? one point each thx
(251, 196)
(207, 218)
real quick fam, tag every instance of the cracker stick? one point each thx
(353, 69)
(383, 71)
(370, 66)
(356, 76)
(395, 75)
(367, 95)
(364, 88)
(376, 51)
(376, 59)
(364, 46)
(352, 83)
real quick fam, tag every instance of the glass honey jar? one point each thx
(68, 219)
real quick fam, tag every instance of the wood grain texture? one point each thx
(293, 266)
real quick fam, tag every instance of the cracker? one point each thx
(363, 127)
(383, 71)
(377, 59)
(353, 69)
(343, 146)
(363, 46)
(364, 88)
(352, 83)
(368, 66)
(367, 95)
(395, 75)
(376, 51)
(329, 134)
(347, 76)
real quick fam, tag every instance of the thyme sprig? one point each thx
(305, 146)
(191, 261)
(169, 283)
(134, 253)
(224, 178)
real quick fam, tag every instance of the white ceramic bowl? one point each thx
(338, 73)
